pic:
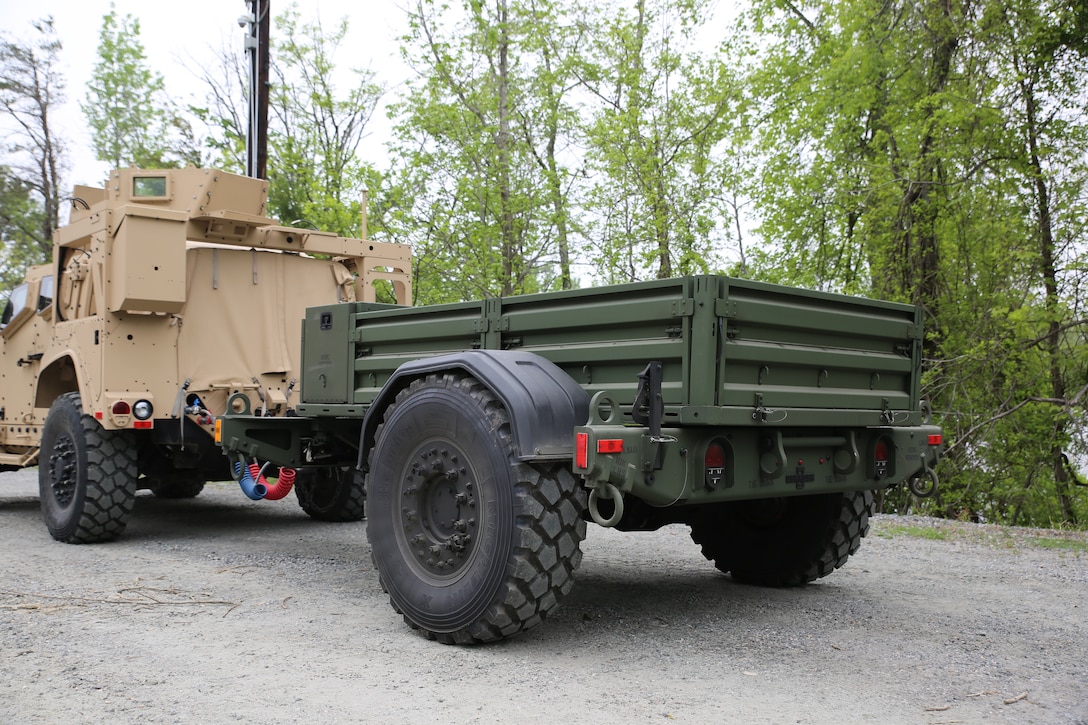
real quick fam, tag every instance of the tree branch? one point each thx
(1063, 402)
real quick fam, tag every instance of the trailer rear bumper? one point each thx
(711, 465)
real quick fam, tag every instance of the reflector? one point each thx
(610, 445)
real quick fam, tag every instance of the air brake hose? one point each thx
(250, 486)
(283, 485)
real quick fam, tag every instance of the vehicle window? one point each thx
(16, 302)
(45, 293)
(153, 187)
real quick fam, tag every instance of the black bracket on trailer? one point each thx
(648, 399)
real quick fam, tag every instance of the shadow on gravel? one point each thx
(678, 604)
(165, 519)
(206, 517)
(643, 597)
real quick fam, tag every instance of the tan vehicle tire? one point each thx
(175, 484)
(86, 475)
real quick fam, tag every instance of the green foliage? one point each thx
(660, 114)
(485, 194)
(20, 221)
(315, 176)
(934, 152)
(132, 122)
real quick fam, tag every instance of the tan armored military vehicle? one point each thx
(169, 292)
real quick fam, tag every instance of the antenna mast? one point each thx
(256, 25)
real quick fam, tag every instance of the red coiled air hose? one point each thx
(283, 484)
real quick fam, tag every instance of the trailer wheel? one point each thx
(783, 542)
(86, 475)
(472, 544)
(175, 484)
(330, 494)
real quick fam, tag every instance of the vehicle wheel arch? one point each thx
(543, 402)
(57, 377)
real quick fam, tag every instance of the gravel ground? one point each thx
(220, 609)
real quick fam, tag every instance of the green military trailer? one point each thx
(487, 434)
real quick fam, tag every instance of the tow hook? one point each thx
(925, 485)
(604, 488)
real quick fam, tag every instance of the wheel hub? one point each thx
(62, 470)
(438, 512)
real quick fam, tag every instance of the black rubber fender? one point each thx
(543, 402)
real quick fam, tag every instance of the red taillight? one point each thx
(936, 440)
(715, 456)
(121, 408)
(881, 458)
(581, 450)
(714, 461)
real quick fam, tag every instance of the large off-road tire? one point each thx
(175, 484)
(330, 494)
(471, 544)
(86, 475)
(783, 542)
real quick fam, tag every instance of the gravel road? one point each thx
(220, 609)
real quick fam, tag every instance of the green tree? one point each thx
(653, 138)
(315, 174)
(224, 112)
(482, 133)
(932, 152)
(20, 222)
(31, 89)
(1039, 55)
(131, 120)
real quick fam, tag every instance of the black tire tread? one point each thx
(831, 544)
(330, 497)
(549, 529)
(110, 480)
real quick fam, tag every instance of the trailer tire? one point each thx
(471, 543)
(330, 494)
(86, 475)
(176, 484)
(783, 542)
